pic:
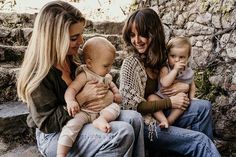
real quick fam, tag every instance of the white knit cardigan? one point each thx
(133, 80)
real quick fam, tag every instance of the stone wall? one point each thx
(211, 27)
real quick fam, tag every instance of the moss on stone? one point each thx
(205, 90)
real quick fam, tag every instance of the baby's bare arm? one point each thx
(115, 91)
(72, 105)
(167, 78)
(75, 87)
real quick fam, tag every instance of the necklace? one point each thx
(66, 67)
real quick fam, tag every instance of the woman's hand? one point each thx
(175, 89)
(180, 101)
(91, 91)
(98, 104)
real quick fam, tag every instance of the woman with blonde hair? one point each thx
(46, 72)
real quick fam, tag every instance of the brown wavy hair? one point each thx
(148, 25)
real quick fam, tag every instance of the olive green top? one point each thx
(152, 106)
(47, 110)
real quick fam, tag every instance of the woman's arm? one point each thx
(99, 104)
(179, 101)
(91, 91)
(175, 88)
(146, 107)
(192, 90)
(46, 111)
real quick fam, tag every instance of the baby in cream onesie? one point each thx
(99, 55)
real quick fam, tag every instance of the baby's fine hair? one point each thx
(179, 42)
(93, 44)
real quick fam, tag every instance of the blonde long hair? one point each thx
(48, 45)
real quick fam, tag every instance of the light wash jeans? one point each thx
(125, 139)
(195, 142)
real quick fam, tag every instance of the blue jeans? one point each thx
(195, 142)
(125, 139)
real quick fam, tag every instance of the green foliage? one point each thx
(205, 90)
(134, 6)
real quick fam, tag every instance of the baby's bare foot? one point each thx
(102, 125)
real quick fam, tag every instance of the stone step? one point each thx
(12, 56)
(14, 52)
(13, 118)
(13, 20)
(21, 151)
(104, 27)
(8, 82)
(9, 70)
(16, 138)
(21, 36)
(11, 53)
(17, 20)
(15, 36)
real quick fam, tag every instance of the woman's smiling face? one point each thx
(139, 42)
(76, 37)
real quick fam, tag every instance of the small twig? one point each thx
(99, 3)
(224, 31)
(122, 10)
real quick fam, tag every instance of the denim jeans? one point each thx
(195, 142)
(125, 139)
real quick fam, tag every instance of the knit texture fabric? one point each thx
(133, 80)
(132, 83)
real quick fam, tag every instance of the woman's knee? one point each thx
(132, 117)
(201, 105)
(123, 131)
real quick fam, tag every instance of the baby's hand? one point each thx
(73, 108)
(117, 98)
(164, 125)
(179, 66)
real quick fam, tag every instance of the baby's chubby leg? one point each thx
(108, 114)
(69, 133)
